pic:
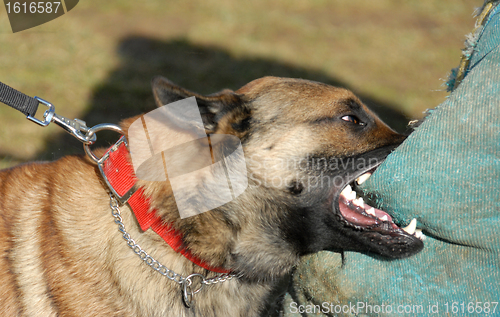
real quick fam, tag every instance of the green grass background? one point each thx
(96, 61)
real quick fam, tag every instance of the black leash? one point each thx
(29, 105)
(17, 100)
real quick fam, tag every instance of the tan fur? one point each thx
(62, 255)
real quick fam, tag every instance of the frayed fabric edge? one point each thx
(457, 74)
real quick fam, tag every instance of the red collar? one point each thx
(120, 177)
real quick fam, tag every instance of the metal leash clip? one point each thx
(76, 127)
(88, 136)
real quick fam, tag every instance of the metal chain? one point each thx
(218, 279)
(185, 282)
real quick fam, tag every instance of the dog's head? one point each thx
(305, 145)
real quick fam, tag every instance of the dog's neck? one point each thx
(154, 207)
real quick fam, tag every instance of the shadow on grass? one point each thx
(127, 90)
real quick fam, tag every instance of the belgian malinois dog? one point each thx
(307, 146)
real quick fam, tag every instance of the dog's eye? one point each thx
(353, 119)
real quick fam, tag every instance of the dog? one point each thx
(62, 253)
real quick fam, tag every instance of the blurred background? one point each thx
(96, 61)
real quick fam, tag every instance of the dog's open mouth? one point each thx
(356, 213)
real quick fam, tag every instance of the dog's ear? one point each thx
(212, 107)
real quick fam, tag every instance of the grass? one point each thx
(96, 62)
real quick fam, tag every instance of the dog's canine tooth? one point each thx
(360, 180)
(384, 218)
(347, 190)
(410, 229)
(371, 211)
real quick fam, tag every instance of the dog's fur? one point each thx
(62, 255)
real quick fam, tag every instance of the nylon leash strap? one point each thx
(17, 100)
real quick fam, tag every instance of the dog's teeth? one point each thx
(351, 195)
(410, 229)
(418, 233)
(371, 211)
(359, 202)
(384, 218)
(347, 190)
(360, 180)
